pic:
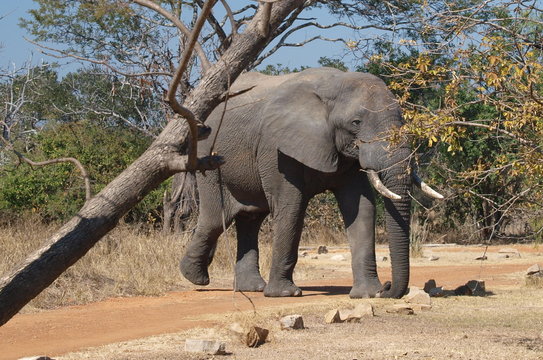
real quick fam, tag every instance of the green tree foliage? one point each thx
(56, 192)
(90, 116)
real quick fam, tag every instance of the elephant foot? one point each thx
(251, 283)
(194, 271)
(367, 290)
(282, 289)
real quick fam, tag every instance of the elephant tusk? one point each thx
(380, 187)
(425, 187)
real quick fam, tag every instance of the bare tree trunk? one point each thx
(163, 159)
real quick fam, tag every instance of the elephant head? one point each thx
(330, 115)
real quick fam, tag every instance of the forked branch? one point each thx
(179, 24)
(171, 95)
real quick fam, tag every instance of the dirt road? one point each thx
(64, 330)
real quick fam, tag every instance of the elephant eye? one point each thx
(356, 122)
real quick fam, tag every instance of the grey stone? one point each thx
(429, 285)
(533, 270)
(332, 317)
(417, 296)
(362, 310)
(212, 347)
(303, 254)
(293, 322)
(434, 258)
(338, 257)
(256, 336)
(477, 287)
(322, 250)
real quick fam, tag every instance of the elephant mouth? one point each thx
(383, 190)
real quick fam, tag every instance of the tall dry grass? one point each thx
(132, 260)
(127, 262)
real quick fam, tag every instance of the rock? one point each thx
(509, 251)
(477, 287)
(417, 296)
(212, 347)
(363, 309)
(403, 309)
(503, 256)
(462, 291)
(483, 257)
(437, 292)
(429, 285)
(382, 259)
(332, 317)
(344, 314)
(293, 322)
(303, 254)
(314, 257)
(433, 258)
(322, 250)
(256, 336)
(338, 257)
(533, 270)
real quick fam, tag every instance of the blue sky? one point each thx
(16, 50)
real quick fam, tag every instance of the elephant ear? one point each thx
(295, 119)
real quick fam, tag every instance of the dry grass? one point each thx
(130, 261)
(126, 262)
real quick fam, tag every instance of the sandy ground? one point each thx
(506, 324)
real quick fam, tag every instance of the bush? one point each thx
(56, 192)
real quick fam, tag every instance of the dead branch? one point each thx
(179, 24)
(60, 54)
(265, 11)
(171, 95)
(77, 164)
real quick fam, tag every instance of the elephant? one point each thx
(285, 139)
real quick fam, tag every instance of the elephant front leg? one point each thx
(288, 223)
(248, 276)
(357, 205)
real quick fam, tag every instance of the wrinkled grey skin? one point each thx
(286, 140)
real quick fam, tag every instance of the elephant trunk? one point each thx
(397, 225)
(397, 178)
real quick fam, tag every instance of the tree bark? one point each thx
(163, 159)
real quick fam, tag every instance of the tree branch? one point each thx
(179, 24)
(171, 95)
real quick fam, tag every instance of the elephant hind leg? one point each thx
(201, 248)
(248, 276)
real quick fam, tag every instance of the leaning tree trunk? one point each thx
(163, 159)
